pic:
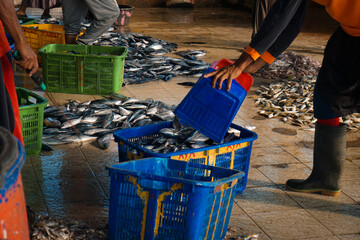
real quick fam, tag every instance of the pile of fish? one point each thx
(45, 228)
(290, 64)
(49, 21)
(292, 102)
(98, 119)
(145, 61)
(181, 138)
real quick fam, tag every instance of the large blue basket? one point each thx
(210, 110)
(233, 155)
(159, 198)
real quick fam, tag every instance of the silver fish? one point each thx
(136, 106)
(95, 131)
(152, 111)
(119, 118)
(124, 111)
(109, 118)
(104, 141)
(134, 115)
(130, 101)
(142, 122)
(90, 119)
(51, 122)
(102, 112)
(71, 123)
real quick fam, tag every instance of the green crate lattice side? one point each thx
(83, 73)
(32, 117)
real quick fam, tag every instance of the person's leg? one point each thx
(328, 161)
(105, 13)
(336, 94)
(46, 14)
(260, 10)
(329, 150)
(73, 13)
(21, 12)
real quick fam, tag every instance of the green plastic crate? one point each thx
(91, 70)
(26, 20)
(31, 108)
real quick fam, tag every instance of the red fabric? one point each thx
(10, 87)
(4, 44)
(329, 122)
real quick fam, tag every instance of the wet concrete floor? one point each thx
(71, 182)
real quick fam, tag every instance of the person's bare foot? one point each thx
(21, 11)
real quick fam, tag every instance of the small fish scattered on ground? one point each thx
(98, 119)
(290, 64)
(181, 138)
(232, 234)
(48, 228)
(291, 100)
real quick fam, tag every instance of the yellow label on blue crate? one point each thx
(227, 208)
(144, 195)
(132, 156)
(203, 154)
(222, 188)
(160, 199)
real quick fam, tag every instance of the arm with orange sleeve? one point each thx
(263, 48)
(279, 29)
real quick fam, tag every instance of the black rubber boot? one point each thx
(329, 156)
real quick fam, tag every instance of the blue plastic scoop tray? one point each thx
(210, 110)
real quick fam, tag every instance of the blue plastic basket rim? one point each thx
(253, 137)
(237, 174)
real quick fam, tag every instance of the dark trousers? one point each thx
(260, 10)
(9, 106)
(338, 82)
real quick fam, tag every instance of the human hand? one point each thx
(253, 67)
(230, 72)
(28, 58)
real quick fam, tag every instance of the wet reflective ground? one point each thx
(71, 181)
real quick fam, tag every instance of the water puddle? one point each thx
(285, 131)
(280, 165)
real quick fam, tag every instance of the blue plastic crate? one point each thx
(233, 155)
(159, 198)
(210, 110)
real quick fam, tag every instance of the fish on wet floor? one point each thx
(100, 118)
(146, 60)
(46, 227)
(291, 101)
(191, 54)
